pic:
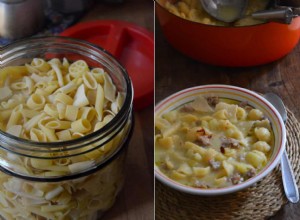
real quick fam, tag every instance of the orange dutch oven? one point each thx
(229, 46)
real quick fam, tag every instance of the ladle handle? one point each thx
(282, 15)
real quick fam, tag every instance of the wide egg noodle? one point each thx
(43, 111)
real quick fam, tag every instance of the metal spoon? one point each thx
(225, 10)
(288, 178)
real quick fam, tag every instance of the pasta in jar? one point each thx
(212, 142)
(192, 10)
(46, 105)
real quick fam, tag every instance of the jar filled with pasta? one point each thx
(65, 124)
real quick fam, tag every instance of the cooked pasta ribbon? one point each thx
(5, 93)
(89, 80)
(71, 112)
(81, 126)
(109, 88)
(64, 135)
(80, 99)
(36, 102)
(15, 116)
(40, 65)
(54, 101)
(99, 104)
(63, 98)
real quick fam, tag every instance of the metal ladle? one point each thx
(283, 11)
(225, 10)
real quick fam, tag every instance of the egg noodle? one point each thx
(53, 101)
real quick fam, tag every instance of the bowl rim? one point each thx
(209, 25)
(220, 191)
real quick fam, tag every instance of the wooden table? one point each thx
(135, 202)
(175, 72)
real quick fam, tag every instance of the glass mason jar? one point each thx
(76, 179)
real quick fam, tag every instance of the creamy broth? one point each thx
(212, 142)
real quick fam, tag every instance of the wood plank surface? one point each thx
(175, 72)
(136, 200)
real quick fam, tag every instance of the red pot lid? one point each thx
(132, 45)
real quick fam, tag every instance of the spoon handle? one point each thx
(289, 183)
(284, 15)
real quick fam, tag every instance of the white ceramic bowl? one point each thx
(239, 94)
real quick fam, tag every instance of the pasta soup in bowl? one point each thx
(216, 139)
